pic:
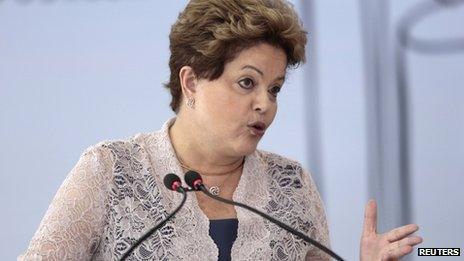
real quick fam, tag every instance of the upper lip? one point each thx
(258, 124)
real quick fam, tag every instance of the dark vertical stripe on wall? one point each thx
(372, 73)
(403, 114)
(311, 98)
(386, 121)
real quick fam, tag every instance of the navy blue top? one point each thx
(224, 233)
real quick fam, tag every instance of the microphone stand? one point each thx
(159, 225)
(202, 188)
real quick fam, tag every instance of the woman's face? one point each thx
(232, 113)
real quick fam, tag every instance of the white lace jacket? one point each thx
(115, 193)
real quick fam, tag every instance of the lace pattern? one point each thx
(115, 193)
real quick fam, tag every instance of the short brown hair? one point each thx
(210, 33)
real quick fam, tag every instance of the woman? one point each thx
(228, 63)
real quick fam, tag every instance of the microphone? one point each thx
(172, 182)
(195, 181)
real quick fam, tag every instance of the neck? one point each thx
(199, 154)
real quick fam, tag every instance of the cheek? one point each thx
(223, 106)
(270, 116)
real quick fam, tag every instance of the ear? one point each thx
(188, 81)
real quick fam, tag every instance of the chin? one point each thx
(246, 149)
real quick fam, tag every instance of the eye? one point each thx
(275, 90)
(246, 83)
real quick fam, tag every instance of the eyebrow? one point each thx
(260, 72)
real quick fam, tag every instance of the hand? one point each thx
(388, 246)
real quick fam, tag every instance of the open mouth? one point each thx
(257, 128)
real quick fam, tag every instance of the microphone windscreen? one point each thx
(170, 179)
(190, 178)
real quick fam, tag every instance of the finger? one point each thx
(397, 253)
(370, 218)
(401, 232)
(410, 241)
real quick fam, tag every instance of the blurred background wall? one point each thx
(76, 72)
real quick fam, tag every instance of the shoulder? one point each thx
(271, 159)
(111, 150)
(283, 171)
(127, 145)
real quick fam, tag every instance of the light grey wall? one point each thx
(343, 120)
(436, 84)
(72, 73)
(437, 114)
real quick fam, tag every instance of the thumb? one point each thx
(370, 218)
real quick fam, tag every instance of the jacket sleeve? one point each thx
(73, 223)
(318, 216)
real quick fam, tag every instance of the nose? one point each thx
(261, 101)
